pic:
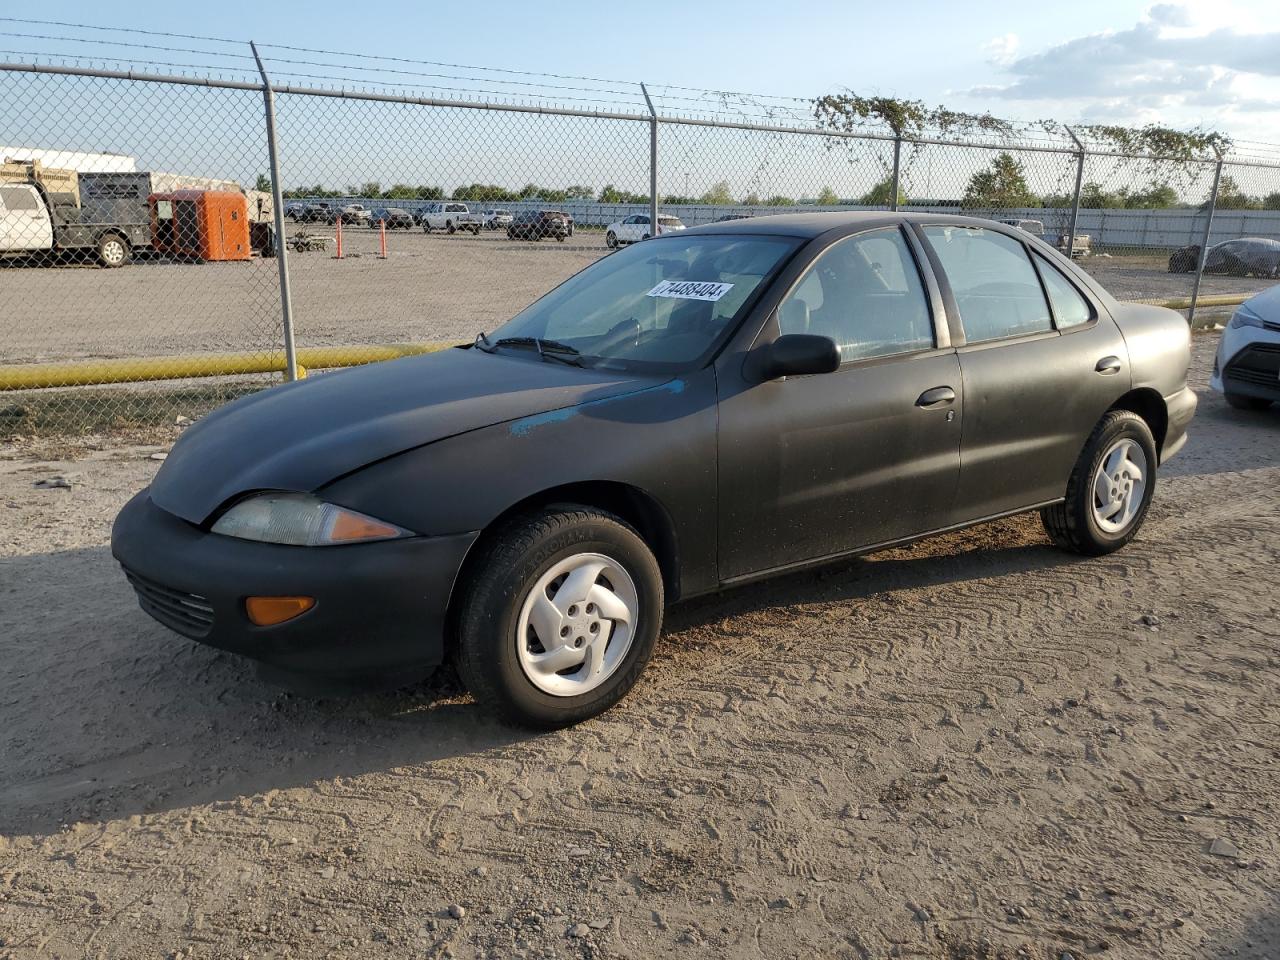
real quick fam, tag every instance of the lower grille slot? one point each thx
(187, 613)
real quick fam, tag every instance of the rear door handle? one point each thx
(1107, 366)
(937, 397)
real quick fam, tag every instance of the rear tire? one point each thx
(113, 250)
(500, 666)
(448, 226)
(1080, 523)
(611, 241)
(1241, 402)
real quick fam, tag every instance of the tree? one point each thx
(1158, 196)
(611, 194)
(263, 183)
(881, 195)
(1000, 186)
(777, 200)
(718, 195)
(1271, 201)
(483, 193)
(371, 189)
(827, 197)
(1094, 197)
(579, 192)
(1231, 197)
(752, 199)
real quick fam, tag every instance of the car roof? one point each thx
(809, 225)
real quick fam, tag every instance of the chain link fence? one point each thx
(143, 221)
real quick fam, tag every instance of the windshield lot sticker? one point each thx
(690, 290)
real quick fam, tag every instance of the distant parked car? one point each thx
(1247, 366)
(295, 211)
(1079, 246)
(354, 214)
(536, 224)
(1248, 256)
(636, 228)
(1033, 227)
(733, 216)
(449, 216)
(495, 219)
(313, 212)
(394, 217)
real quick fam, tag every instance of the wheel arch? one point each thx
(637, 507)
(1150, 406)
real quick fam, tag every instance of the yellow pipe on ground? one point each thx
(83, 373)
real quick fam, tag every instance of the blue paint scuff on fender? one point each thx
(526, 425)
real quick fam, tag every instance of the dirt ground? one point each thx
(974, 748)
(435, 287)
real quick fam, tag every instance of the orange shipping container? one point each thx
(205, 224)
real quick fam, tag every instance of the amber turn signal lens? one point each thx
(268, 611)
(352, 526)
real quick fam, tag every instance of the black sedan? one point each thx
(395, 218)
(1248, 256)
(699, 411)
(537, 224)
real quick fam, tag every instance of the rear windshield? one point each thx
(660, 306)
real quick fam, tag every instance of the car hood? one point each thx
(303, 435)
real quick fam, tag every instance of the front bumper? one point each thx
(380, 607)
(1248, 362)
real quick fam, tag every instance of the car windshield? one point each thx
(660, 306)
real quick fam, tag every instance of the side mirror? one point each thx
(797, 354)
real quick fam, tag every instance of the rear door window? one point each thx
(995, 286)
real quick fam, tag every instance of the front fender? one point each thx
(660, 440)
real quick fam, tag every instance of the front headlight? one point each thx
(299, 519)
(1245, 317)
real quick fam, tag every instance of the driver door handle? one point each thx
(1107, 366)
(936, 397)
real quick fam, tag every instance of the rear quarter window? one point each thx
(1070, 308)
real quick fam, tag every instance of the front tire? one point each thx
(1241, 402)
(611, 240)
(1109, 490)
(560, 617)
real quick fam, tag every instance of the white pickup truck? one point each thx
(449, 215)
(41, 210)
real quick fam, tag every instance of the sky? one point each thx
(1212, 64)
(1188, 63)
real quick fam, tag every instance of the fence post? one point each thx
(653, 164)
(1204, 240)
(1075, 201)
(277, 203)
(897, 170)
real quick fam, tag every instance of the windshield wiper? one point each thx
(481, 342)
(547, 349)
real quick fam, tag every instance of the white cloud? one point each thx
(1002, 50)
(1170, 15)
(1161, 69)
